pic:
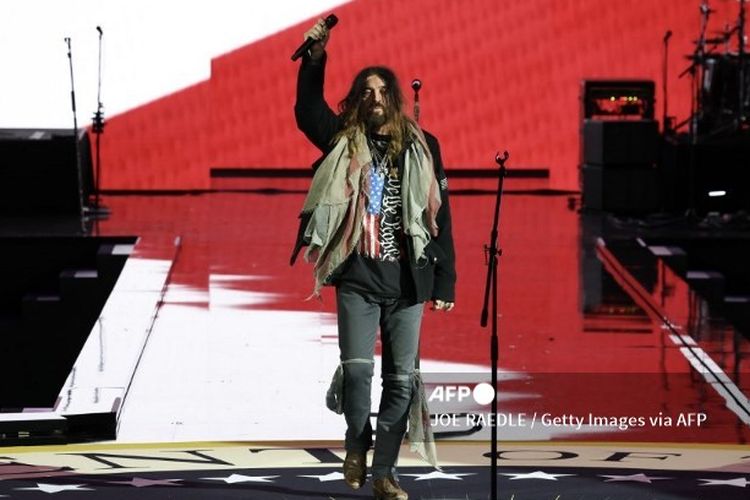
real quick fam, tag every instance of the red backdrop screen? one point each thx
(496, 75)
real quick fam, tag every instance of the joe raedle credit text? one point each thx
(532, 420)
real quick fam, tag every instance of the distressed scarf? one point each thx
(337, 201)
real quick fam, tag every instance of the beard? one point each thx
(375, 119)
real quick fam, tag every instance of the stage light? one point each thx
(717, 194)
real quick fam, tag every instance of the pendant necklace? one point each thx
(379, 159)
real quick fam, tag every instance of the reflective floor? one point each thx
(232, 350)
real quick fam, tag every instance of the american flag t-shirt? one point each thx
(371, 222)
(382, 219)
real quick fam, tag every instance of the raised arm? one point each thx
(314, 117)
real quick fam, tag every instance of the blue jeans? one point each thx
(359, 318)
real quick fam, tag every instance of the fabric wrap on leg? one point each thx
(335, 393)
(420, 435)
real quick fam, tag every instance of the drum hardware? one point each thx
(720, 81)
(720, 88)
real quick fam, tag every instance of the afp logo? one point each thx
(482, 393)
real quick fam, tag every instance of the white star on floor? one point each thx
(331, 476)
(739, 482)
(56, 488)
(140, 482)
(438, 475)
(239, 478)
(636, 478)
(536, 475)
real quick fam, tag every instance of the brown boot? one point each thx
(387, 488)
(355, 469)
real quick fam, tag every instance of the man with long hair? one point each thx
(377, 224)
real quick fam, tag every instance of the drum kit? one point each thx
(720, 70)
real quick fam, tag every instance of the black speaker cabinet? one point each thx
(631, 189)
(719, 180)
(38, 171)
(620, 142)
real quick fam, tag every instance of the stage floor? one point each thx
(304, 470)
(236, 352)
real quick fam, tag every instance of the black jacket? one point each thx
(435, 276)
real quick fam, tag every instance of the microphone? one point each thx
(99, 29)
(500, 160)
(667, 35)
(416, 84)
(330, 22)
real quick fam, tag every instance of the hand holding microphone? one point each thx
(316, 38)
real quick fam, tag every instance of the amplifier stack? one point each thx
(619, 146)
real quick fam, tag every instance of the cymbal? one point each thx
(701, 57)
(713, 56)
(725, 33)
(711, 41)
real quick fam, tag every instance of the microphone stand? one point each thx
(493, 253)
(666, 128)
(97, 127)
(742, 67)
(696, 105)
(75, 138)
